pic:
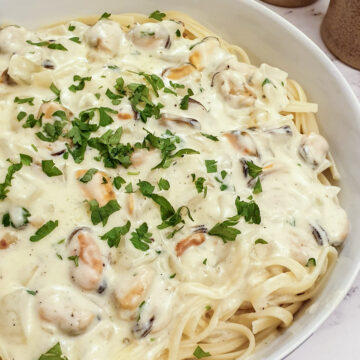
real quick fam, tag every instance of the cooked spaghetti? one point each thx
(162, 198)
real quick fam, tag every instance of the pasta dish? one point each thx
(160, 196)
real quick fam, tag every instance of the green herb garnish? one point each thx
(44, 230)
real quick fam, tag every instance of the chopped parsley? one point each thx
(169, 216)
(105, 15)
(253, 169)
(210, 137)
(49, 168)
(257, 188)
(88, 175)
(71, 27)
(111, 151)
(31, 292)
(81, 83)
(225, 229)
(21, 115)
(157, 15)
(29, 100)
(176, 86)
(54, 353)
(199, 184)
(44, 230)
(311, 262)
(6, 219)
(166, 144)
(118, 181)
(199, 353)
(205, 261)
(75, 259)
(129, 188)
(211, 166)
(178, 33)
(268, 81)
(163, 184)
(101, 214)
(140, 238)
(249, 210)
(48, 44)
(172, 276)
(184, 104)
(75, 39)
(56, 91)
(52, 132)
(114, 235)
(260, 241)
(12, 169)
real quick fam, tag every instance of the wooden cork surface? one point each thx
(340, 30)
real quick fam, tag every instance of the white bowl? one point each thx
(267, 38)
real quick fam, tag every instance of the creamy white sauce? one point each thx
(67, 306)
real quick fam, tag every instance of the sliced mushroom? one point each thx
(167, 119)
(283, 130)
(141, 330)
(313, 149)
(7, 79)
(243, 142)
(48, 64)
(200, 229)
(191, 240)
(319, 234)
(197, 103)
(181, 72)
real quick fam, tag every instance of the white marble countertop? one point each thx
(338, 337)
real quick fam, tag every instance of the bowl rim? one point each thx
(321, 56)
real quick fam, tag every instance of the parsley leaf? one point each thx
(114, 235)
(75, 259)
(140, 238)
(199, 184)
(129, 188)
(184, 104)
(81, 83)
(268, 81)
(6, 219)
(250, 210)
(253, 169)
(199, 353)
(146, 188)
(31, 292)
(48, 44)
(163, 184)
(88, 175)
(111, 151)
(75, 39)
(29, 100)
(178, 33)
(176, 86)
(105, 15)
(225, 230)
(166, 144)
(101, 214)
(118, 181)
(54, 353)
(49, 168)
(21, 115)
(12, 169)
(211, 137)
(311, 262)
(52, 132)
(257, 187)
(211, 166)
(157, 15)
(44, 230)
(260, 241)
(71, 27)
